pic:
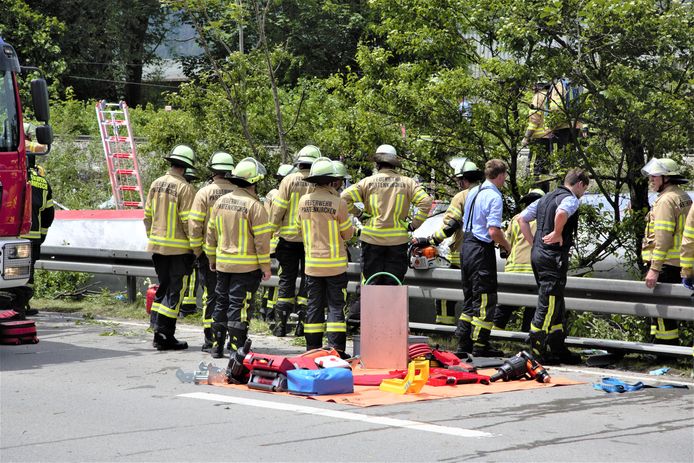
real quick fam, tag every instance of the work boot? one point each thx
(168, 342)
(463, 332)
(486, 350)
(558, 352)
(537, 341)
(280, 329)
(209, 340)
(299, 330)
(219, 332)
(313, 341)
(238, 333)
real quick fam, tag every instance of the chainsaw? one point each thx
(426, 257)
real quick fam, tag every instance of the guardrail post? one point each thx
(131, 281)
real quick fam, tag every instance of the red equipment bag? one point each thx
(447, 377)
(149, 300)
(278, 363)
(18, 332)
(7, 315)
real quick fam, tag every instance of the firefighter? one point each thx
(267, 309)
(343, 175)
(386, 196)
(687, 253)
(42, 214)
(518, 261)
(556, 215)
(482, 228)
(326, 225)
(467, 175)
(219, 165)
(189, 304)
(238, 249)
(167, 208)
(290, 247)
(663, 236)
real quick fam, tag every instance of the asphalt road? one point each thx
(99, 392)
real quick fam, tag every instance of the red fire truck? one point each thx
(15, 190)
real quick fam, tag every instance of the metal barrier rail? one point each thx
(582, 294)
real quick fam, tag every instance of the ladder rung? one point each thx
(125, 171)
(132, 204)
(122, 155)
(116, 122)
(127, 187)
(118, 139)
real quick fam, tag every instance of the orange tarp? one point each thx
(368, 396)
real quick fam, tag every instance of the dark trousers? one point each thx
(172, 273)
(478, 271)
(445, 309)
(330, 292)
(664, 330)
(290, 256)
(550, 268)
(234, 297)
(374, 259)
(208, 280)
(505, 312)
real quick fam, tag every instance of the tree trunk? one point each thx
(638, 184)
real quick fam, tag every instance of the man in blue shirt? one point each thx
(481, 228)
(556, 215)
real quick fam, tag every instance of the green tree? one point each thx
(35, 35)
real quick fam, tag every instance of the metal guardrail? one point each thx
(582, 294)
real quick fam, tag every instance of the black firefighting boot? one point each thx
(558, 352)
(280, 329)
(238, 332)
(481, 347)
(168, 342)
(313, 341)
(209, 340)
(219, 332)
(538, 341)
(463, 332)
(299, 330)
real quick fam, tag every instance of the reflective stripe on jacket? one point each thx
(665, 225)
(454, 212)
(687, 254)
(201, 209)
(42, 210)
(518, 260)
(166, 214)
(326, 225)
(238, 233)
(285, 204)
(268, 208)
(387, 197)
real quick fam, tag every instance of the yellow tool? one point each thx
(417, 376)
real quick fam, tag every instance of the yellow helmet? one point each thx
(247, 172)
(182, 155)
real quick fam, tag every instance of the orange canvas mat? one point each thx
(369, 396)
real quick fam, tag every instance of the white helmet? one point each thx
(387, 155)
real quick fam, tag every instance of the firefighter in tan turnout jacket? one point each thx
(663, 236)
(238, 244)
(166, 221)
(290, 247)
(220, 164)
(386, 197)
(325, 224)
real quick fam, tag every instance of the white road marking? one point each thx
(378, 420)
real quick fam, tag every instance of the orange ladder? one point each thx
(121, 158)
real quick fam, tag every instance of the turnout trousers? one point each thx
(290, 256)
(172, 273)
(478, 273)
(330, 292)
(550, 268)
(664, 330)
(234, 300)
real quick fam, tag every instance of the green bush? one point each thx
(51, 284)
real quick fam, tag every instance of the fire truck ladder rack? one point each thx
(121, 158)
